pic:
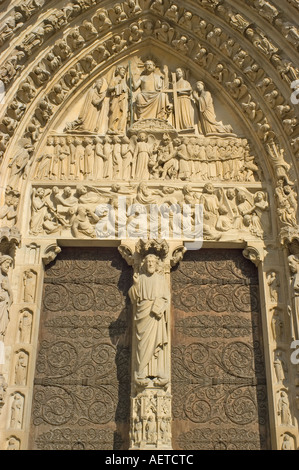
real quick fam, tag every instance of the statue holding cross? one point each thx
(157, 99)
(152, 101)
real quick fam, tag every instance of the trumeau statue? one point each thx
(150, 297)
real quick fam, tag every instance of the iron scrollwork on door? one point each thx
(218, 378)
(82, 379)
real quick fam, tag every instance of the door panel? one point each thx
(82, 379)
(218, 377)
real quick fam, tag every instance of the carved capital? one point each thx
(127, 253)
(177, 255)
(289, 237)
(50, 253)
(159, 248)
(254, 254)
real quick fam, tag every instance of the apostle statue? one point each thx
(150, 297)
(151, 102)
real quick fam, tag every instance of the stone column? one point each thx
(151, 342)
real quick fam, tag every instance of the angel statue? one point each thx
(145, 146)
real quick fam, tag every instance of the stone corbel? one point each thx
(177, 255)
(50, 253)
(127, 252)
(10, 239)
(289, 237)
(254, 253)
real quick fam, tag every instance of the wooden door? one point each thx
(82, 379)
(218, 377)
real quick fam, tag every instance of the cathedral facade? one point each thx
(149, 234)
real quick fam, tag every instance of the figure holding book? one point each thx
(150, 297)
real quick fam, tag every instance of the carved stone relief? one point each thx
(5, 295)
(152, 131)
(25, 326)
(13, 444)
(29, 282)
(16, 411)
(3, 388)
(87, 211)
(21, 366)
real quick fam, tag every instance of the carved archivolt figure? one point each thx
(39, 208)
(150, 297)
(25, 325)
(284, 409)
(8, 213)
(294, 268)
(3, 388)
(29, 286)
(208, 123)
(5, 294)
(18, 165)
(287, 203)
(21, 369)
(16, 419)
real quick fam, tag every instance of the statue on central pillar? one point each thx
(151, 377)
(150, 297)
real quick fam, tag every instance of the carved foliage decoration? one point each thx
(218, 377)
(82, 372)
